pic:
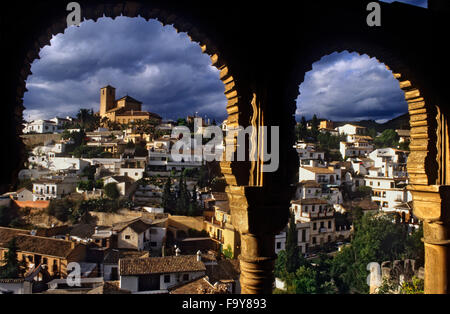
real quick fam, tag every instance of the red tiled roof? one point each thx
(160, 265)
(34, 244)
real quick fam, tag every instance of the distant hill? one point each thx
(400, 122)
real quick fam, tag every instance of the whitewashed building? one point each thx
(154, 275)
(40, 126)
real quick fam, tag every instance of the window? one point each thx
(303, 235)
(329, 224)
(314, 240)
(278, 245)
(378, 183)
(127, 237)
(392, 185)
(371, 183)
(166, 278)
(185, 277)
(314, 226)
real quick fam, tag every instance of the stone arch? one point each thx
(423, 164)
(94, 11)
(427, 164)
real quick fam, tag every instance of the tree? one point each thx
(168, 200)
(228, 252)
(389, 138)
(61, 209)
(292, 251)
(12, 267)
(376, 239)
(183, 199)
(112, 191)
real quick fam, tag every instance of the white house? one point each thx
(308, 155)
(351, 129)
(53, 188)
(40, 126)
(316, 222)
(280, 242)
(24, 194)
(355, 149)
(124, 184)
(155, 275)
(321, 175)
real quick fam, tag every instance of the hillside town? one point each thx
(102, 197)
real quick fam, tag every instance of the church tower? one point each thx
(107, 99)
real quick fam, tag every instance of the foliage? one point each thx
(364, 191)
(228, 252)
(183, 198)
(389, 138)
(194, 233)
(376, 239)
(61, 209)
(416, 286)
(168, 197)
(90, 152)
(112, 191)
(292, 250)
(11, 267)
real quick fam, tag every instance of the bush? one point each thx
(112, 191)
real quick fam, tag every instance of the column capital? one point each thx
(259, 210)
(431, 202)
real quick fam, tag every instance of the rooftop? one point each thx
(34, 244)
(160, 265)
(319, 170)
(310, 201)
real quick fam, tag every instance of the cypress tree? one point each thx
(292, 251)
(11, 267)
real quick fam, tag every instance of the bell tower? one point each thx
(107, 99)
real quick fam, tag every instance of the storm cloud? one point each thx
(347, 86)
(172, 77)
(150, 62)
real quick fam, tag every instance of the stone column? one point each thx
(257, 262)
(258, 213)
(432, 205)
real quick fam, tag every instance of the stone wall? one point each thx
(33, 140)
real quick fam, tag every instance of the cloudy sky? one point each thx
(171, 76)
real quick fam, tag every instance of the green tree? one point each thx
(183, 198)
(61, 209)
(292, 251)
(228, 252)
(389, 138)
(112, 191)
(12, 267)
(376, 239)
(168, 199)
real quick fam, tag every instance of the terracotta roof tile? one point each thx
(160, 265)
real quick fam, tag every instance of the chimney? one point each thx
(177, 252)
(199, 256)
